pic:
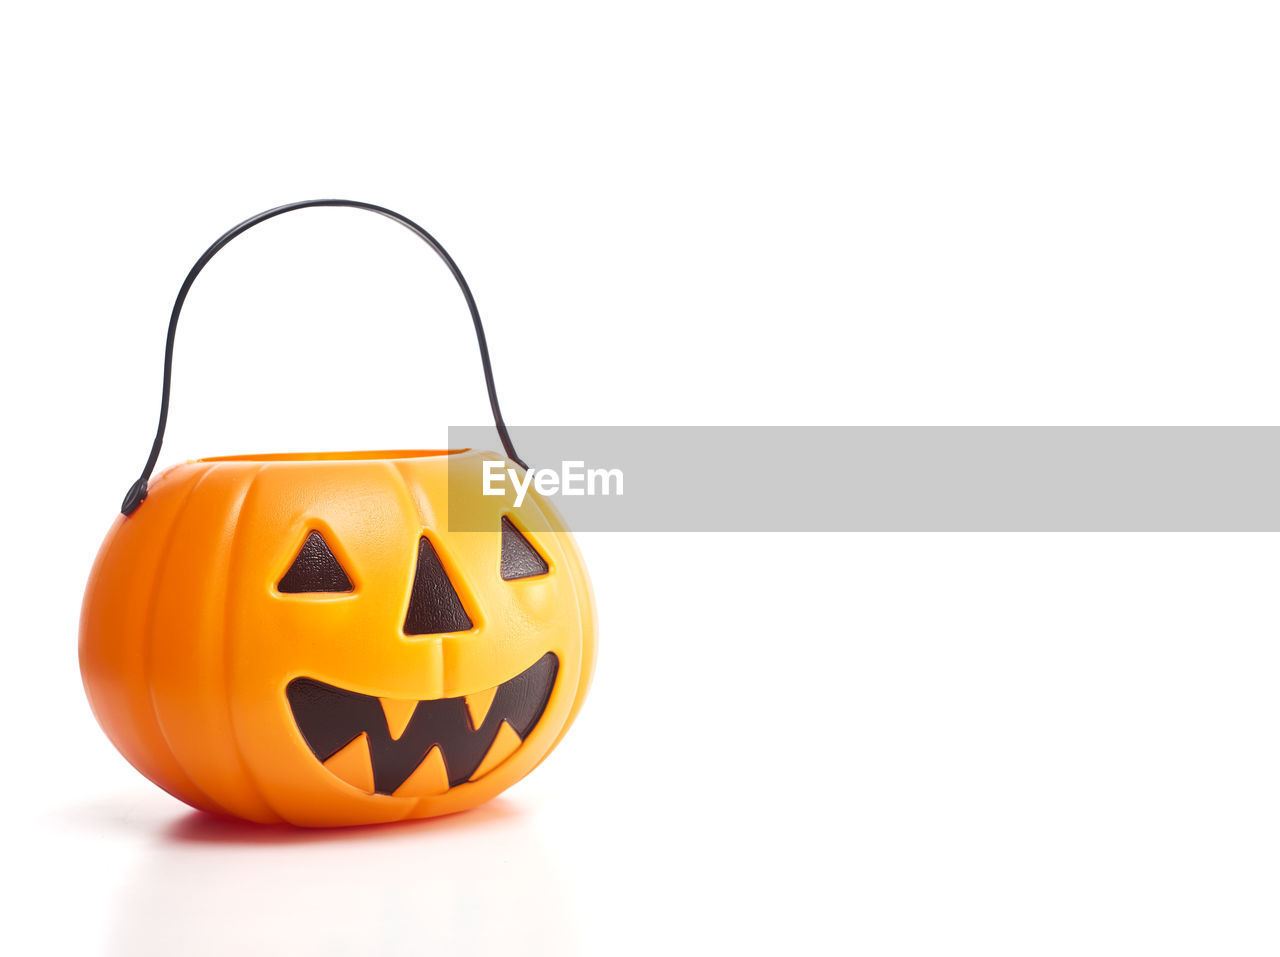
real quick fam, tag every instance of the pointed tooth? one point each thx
(353, 764)
(478, 706)
(428, 778)
(398, 712)
(504, 745)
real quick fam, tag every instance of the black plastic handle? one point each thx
(138, 490)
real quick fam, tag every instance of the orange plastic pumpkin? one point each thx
(302, 638)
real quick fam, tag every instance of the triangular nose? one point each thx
(434, 606)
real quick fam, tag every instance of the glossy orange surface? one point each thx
(187, 645)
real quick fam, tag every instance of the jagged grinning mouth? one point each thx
(419, 748)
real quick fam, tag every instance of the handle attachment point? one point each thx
(136, 495)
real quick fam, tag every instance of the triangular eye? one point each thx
(434, 606)
(315, 569)
(519, 558)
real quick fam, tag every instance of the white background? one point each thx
(907, 213)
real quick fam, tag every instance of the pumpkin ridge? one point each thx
(150, 643)
(584, 603)
(236, 738)
(397, 468)
(408, 488)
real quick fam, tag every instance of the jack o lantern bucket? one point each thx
(302, 638)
